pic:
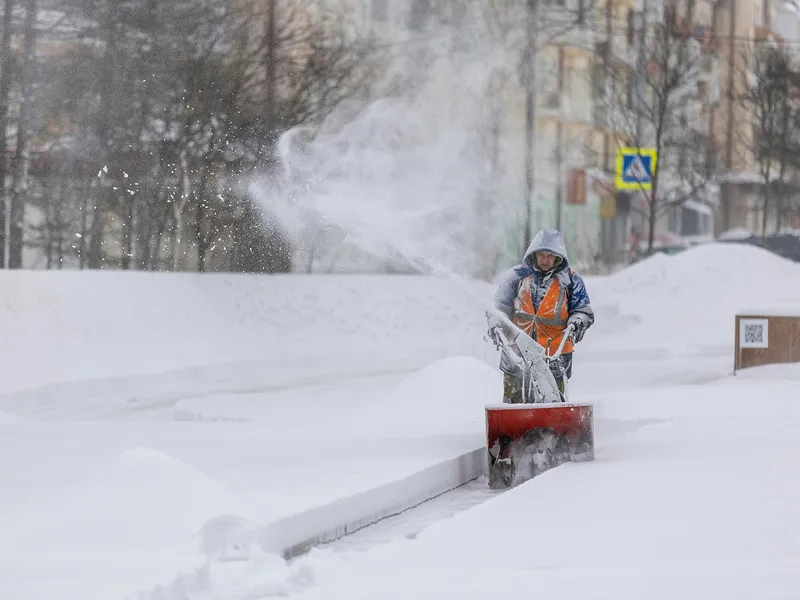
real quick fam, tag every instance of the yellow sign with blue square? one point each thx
(635, 168)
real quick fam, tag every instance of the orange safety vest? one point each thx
(548, 325)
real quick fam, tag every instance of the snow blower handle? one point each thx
(504, 334)
(567, 333)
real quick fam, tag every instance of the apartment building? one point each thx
(684, 205)
(576, 135)
(568, 137)
(739, 25)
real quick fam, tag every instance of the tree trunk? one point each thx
(5, 91)
(178, 205)
(202, 238)
(126, 256)
(96, 255)
(765, 214)
(270, 28)
(20, 185)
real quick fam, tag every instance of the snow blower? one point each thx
(544, 431)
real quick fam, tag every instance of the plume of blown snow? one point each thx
(409, 178)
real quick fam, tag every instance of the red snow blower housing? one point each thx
(524, 440)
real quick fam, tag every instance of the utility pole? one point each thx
(641, 65)
(529, 82)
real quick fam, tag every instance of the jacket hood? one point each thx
(550, 240)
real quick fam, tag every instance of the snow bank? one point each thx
(132, 520)
(735, 233)
(783, 371)
(452, 390)
(67, 325)
(300, 532)
(686, 303)
(444, 400)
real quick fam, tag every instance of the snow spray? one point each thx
(409, 177)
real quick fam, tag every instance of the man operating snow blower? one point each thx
(543, 296)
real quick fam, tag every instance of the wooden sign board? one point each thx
(766, 340)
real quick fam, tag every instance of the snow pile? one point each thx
(67, 326)
(718, 270)
(687, 302)
(778, 372)
(134, 519)
(453, 391)
(735, 233)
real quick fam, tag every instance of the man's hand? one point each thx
(580, 323)
(494, 322)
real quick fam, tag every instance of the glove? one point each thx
(580, 323)
(494, 322)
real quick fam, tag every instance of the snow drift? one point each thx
(686, 303)
(67, 326)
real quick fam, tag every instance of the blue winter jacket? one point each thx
(577, 296)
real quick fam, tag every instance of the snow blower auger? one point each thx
(525, 440)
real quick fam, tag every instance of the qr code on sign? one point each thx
(754, 334)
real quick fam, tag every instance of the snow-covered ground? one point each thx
(698, 503)
(141, 407)
(256, 396)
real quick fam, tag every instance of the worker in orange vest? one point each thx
(542, 296)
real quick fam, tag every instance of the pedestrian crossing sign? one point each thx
(635, 168)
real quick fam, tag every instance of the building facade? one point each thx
(742, 25)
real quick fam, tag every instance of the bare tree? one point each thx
(159, 110)
(775, 144)
(669, 113)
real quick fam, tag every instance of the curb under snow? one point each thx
(299, 533)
